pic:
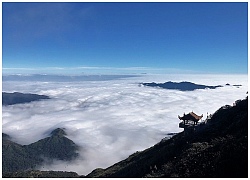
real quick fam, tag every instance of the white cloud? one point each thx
(112, 119)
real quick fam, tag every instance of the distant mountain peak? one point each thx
(19, 98)
(5, 136)
(182, 86)
(58, 132)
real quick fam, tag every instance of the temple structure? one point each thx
(189, 119)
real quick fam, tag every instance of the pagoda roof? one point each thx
(190, 116)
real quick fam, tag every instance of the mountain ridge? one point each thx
(19, 98)
(182, 86)
(18, 157)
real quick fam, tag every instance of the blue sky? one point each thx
(125, 37)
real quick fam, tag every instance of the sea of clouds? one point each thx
(114, 118)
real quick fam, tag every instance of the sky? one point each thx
(124, 38)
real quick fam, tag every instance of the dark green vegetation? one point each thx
(217, 148)
(17, 98)
(182, 86)
(18, 157)
(41, 174)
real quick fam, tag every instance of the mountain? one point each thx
(182, 86)
(17, 98)
(16, 157)
(41, 174)
(57, 146)
(215, 148)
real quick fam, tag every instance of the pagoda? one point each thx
(189, 119)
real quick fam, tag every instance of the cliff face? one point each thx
(217, 148)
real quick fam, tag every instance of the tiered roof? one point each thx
(190, 116)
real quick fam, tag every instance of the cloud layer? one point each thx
(112, 119)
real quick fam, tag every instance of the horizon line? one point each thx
(81, 70)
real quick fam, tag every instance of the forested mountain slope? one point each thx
(16, 157)
(217, 148)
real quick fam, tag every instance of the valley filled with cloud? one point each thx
(111, 119)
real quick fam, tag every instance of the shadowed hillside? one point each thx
(18, 98)
(41, 174)
(18, 157)
(217, 148)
